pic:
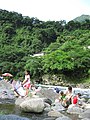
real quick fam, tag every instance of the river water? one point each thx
(10, 108)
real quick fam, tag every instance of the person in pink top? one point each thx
(27, 83)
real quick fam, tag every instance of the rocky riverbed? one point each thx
(41, 106)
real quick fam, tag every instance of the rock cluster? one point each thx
(44, 100)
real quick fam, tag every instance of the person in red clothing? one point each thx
(76, 99)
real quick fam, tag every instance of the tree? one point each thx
(57, 60)
(34, 65)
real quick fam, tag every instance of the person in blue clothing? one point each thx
(1, 78)
(57, 90)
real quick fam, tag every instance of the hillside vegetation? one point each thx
(66, 46)
(82, 18)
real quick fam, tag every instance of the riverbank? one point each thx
(59, 80)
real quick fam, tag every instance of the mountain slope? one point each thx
(82, 18)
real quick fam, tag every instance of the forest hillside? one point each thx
(66, 46)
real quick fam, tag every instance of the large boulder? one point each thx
(47, 93)
(5, 84)
(74, 110)
(35, 105)
(19, 101)
(85, 114)
(58, 107)
(87, 106)
(5, 90)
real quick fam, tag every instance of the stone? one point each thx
(19, 101)
(64, 118)
(49, 118)
(58, 107)
(74, 109)
(86, 119)
(47, 93)
(85, 114)
(55, 114)
(12, 117)
(35, 105)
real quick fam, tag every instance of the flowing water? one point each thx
(10, 108)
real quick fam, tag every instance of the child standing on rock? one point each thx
(27, 83)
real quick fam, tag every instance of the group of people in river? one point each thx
(68, 97)
(22, 89)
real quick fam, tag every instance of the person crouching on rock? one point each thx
(61, 96)
(77, 100)
(68, 97)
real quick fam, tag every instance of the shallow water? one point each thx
(10, 108)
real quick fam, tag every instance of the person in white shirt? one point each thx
(27, 83)
(68, 97)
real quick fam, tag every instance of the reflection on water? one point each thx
(12, 109)
(7, 109)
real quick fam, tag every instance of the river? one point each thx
(11, 108)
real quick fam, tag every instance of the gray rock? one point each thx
(64, 118)
(74, 110)
(35, 105)
(5, 85)
(47, 93)
(87, 106)
(47, 100)
(85, 114)
(12, 117)
(19, 101)
(55, 114)
(47, 109)
(88, 101)
(49, 118)
(86, 119)
(58, 107)
(5, 90)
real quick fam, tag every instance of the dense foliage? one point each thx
(66, 46)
